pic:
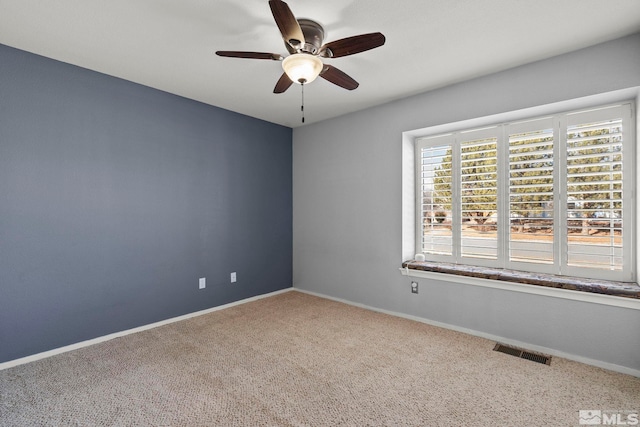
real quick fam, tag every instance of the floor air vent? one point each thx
(523, 354)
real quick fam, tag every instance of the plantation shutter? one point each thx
(531, 192)
(549, 195)
(598, 203)
(479, 194)
(436, 197)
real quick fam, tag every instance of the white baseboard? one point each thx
(549, 351)
(60, 350)
(515, 343)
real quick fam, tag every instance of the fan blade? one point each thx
(338, 77)
(283, 84)
(249, 55)
(287, 23)
(352, 45)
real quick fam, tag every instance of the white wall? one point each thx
(347, 227)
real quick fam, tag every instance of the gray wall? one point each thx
(115, 198)
(347, 212)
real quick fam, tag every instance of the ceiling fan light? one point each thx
(302, 67)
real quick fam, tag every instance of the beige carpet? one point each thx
(298, 360)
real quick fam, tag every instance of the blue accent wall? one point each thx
(115, 198)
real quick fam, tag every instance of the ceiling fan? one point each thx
(303, 39)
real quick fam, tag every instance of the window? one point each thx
(551, 194)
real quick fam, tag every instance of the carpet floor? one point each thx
(298, 360)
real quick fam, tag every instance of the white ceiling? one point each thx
(170, 44)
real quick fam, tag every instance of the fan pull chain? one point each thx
(302, 106)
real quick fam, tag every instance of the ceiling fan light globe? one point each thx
(302, 68)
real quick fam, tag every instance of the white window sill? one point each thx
(608, 293)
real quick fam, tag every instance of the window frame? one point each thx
(559, 120)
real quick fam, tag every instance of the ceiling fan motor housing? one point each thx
(313, 36)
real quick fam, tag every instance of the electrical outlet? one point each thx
(233, 277)
(202, 283)
(414, 287)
